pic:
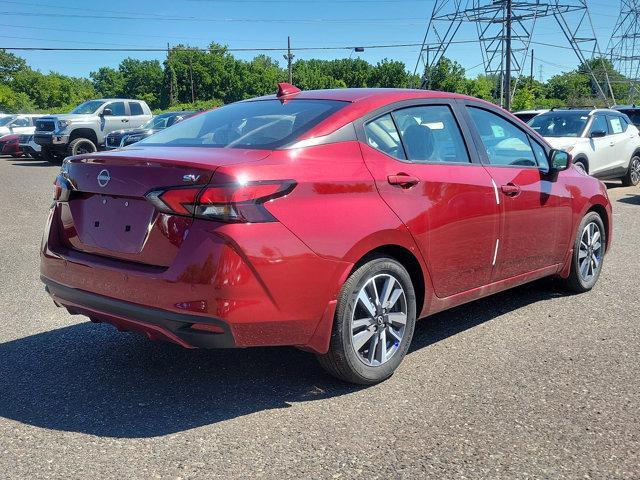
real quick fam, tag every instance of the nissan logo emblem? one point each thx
(103, 178)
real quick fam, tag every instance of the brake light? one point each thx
(61, 189)
(237, 202)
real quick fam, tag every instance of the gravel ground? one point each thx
(531, 383)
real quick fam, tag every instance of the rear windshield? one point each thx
(259, 124)
(560, 124)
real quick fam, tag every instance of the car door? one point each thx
(118, 118)
(20, 125)
(623, 147)
(137, 117)
(429, 177)
(536, 208)
(601, 145)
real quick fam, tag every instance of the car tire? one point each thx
(81, 146)
(632, 178)
(581, 164)
(50, 156)
(363, 323)
(588, 254)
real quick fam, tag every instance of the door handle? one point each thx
(612, 144)
(124, 120)
(510, 189)
(403, 180)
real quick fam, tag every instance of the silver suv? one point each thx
(84, 129)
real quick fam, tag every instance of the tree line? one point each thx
(196, 79)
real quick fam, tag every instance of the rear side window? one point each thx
(430, 134)
(504, 143)
(616, 124)
(383, 135)
(117, 108)
(264, 124)
(135, 108)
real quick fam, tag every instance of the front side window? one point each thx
(135, 108)
(560, 124)
(20, 122)
(264, 124)
(430, 134)
(117, 109)
(382, 135)
(599, 125)
(88, 107)
(504, 143)
(541, 155)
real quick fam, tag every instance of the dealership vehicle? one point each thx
(602, 142)
(122, 138)
(18, 124)
(86, 127)
(28, 146)
(631, 111)
(329, 220)
(9, 145)
(526, 115)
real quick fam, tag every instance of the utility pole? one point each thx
(532, 55)
(507, 76)
(193, 95)
(289, 58)
(169, 76)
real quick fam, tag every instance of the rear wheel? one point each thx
(373, 324)
(80, 146)
(632, 177)
(588, 254)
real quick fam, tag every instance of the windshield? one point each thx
(5, 120)
(87, 107)
(165, 120)
(264, 124)
(560, 124)
(634, 116)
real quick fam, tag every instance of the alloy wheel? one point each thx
(590, 251)
(378, 319)
(635, 170)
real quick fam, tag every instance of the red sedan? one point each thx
(329, 220)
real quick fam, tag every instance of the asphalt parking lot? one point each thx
(531, 383)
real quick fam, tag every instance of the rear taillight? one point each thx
(61, 189)
(237, 202)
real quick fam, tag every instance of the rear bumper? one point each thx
(157, 324)
(259, 282)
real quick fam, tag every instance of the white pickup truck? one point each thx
(84, 129)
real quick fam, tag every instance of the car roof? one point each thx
(383, 95)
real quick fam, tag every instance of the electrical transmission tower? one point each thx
(624, 46)
(503, 29)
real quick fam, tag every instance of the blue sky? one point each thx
(252, 24)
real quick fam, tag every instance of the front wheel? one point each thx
(632, 178)
(80, 146)
(374, 323)
(50, 155)
(588, 254)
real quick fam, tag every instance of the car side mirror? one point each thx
(598, 134)
(107, 112)
(560, 160)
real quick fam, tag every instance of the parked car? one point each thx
(631, 111)
(9, 145)
(526, 115)
(122, 138)
(86, 127)
(602, 142)
(329, 220)
(28, 146)
(18, 124)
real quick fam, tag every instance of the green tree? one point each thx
(10, 64)
(108, 82)
(447, 76)
(390, 74)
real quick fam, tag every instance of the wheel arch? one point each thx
(408, 260)
(582, 158)
(604, 215)
(87, 133)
